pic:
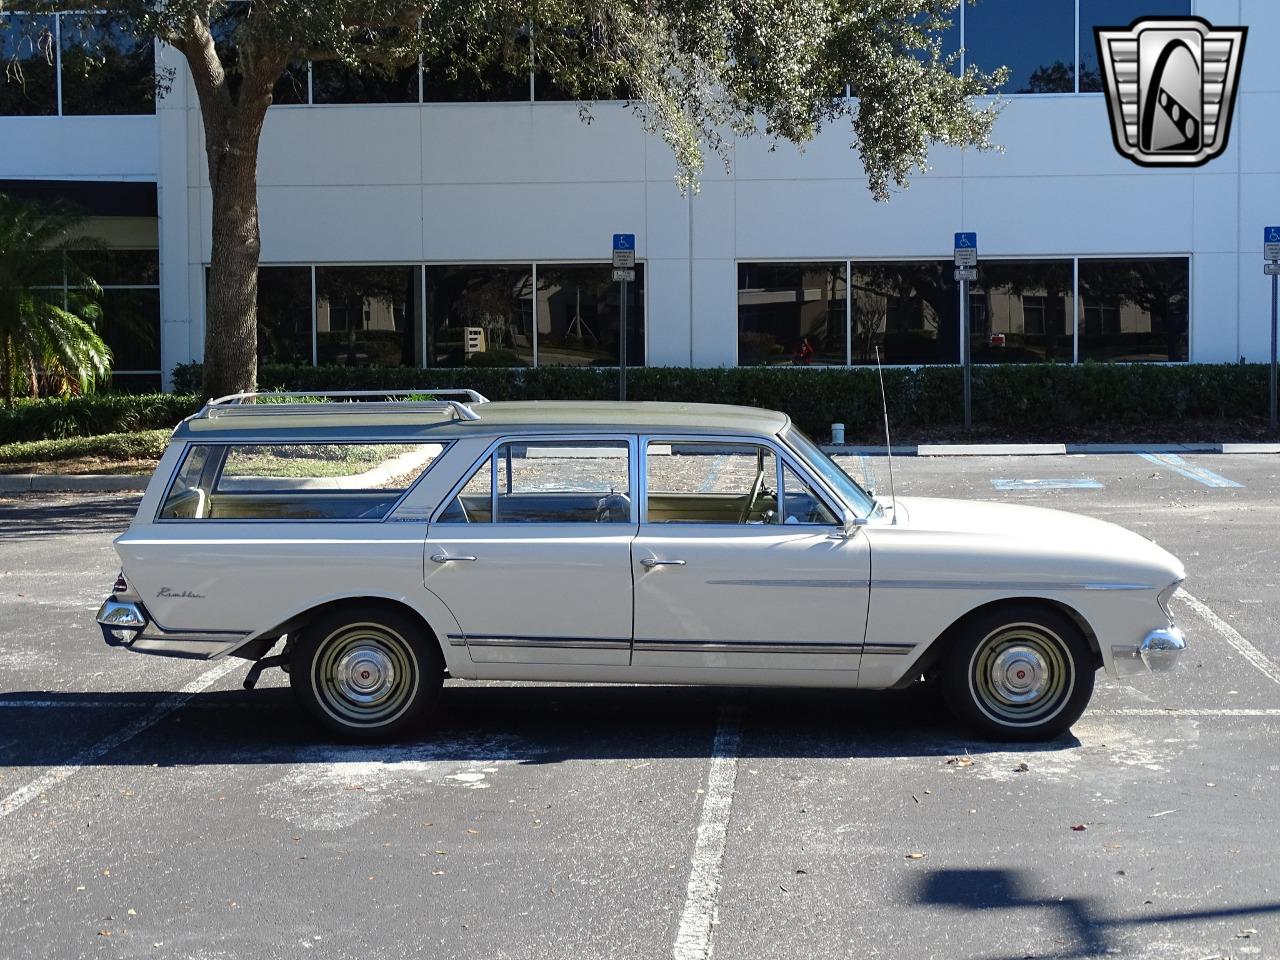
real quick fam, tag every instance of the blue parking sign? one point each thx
(966, 241)
(624, 241)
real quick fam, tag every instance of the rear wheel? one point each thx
(367, 673)
(1019, 672)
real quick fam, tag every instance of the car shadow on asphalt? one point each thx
(1089, 931)
(535, 725)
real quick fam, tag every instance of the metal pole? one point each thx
(622, 347)
(964, 352)
(1274, 279)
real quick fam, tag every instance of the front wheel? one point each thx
(1019, 673)
(367, 674)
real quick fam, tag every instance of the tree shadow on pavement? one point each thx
(57, 515)
(1088, 931)
(541, 724)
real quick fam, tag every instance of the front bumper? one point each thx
(127, 624)
(1158, 652)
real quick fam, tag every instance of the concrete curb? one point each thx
(1044, 449)
(77, 483)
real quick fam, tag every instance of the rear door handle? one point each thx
(655, 562)
(445, 558)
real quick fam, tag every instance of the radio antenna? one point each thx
(884, 405)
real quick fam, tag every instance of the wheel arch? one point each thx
(934, 653)
(437, 633)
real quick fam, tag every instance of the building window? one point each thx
(579, 316)
(284, 315)
(130, 323)
(1115, 13)
(1134, 309)
(104, 69)
(792, 314)
(368, 316)
(910, 310)
(1036, 41)
(479, 316)
(1021, 311)
(29, 81)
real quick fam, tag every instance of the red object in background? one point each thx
(997, 340)
(806, 351)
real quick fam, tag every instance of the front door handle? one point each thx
(445, 558)
(655, 562)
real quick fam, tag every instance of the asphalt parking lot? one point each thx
(152, 808)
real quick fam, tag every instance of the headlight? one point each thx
(1166, 595)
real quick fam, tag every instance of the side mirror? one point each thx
(849, 524)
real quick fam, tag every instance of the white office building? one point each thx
(413, 222)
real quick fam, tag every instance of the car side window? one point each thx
(800, 503)
(707, 481)
(548, 481)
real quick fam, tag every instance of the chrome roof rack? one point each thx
(329, 402)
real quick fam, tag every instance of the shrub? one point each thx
(93, 415)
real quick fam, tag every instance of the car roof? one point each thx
(437, 421)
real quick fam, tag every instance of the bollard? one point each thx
(837, 433)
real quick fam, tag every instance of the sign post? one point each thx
(966, 258)
(624, 272)
(1271, 253)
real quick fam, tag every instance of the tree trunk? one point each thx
(232, 130)
(231, 317)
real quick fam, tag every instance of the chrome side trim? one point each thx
(1005, 585)
(545, 643)
(744, 646)
(841, 584)
(888, 649)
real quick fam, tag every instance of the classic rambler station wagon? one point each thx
(383, 545)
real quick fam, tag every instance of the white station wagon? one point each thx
(390, 543)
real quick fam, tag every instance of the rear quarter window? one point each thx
(295, 481)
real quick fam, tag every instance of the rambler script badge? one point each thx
(1171, 87)
(178, 594)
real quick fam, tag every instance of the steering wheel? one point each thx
(752, 497)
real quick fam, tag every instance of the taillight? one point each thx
(122, 585)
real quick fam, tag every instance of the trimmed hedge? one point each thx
(92, 415)
(1030, 398)
(140, 445)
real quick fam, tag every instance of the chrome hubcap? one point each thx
(365, 674)
(1021, 674)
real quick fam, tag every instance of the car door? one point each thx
(731, 576)
(531, 553)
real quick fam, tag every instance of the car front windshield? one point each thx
(858, 499)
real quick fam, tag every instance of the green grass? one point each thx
(142, 445)
(311, 460)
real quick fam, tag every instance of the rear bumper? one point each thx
(127, 624)
(1158, 652)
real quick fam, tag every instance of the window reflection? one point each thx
(579, 315)
(367, 316)
(791, 313)
(1134, 309)
(480, 316)
(1021, 310)
(104, 69)
(1036, 41)
(1115, 13)
(131, 327)
(28, 72)
(284, 315)
(909, 309)
(445, 80)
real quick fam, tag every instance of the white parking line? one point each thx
(55, 775)
(1201, 475)
(1229, 633)
(1187, 712)
(697, 922)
